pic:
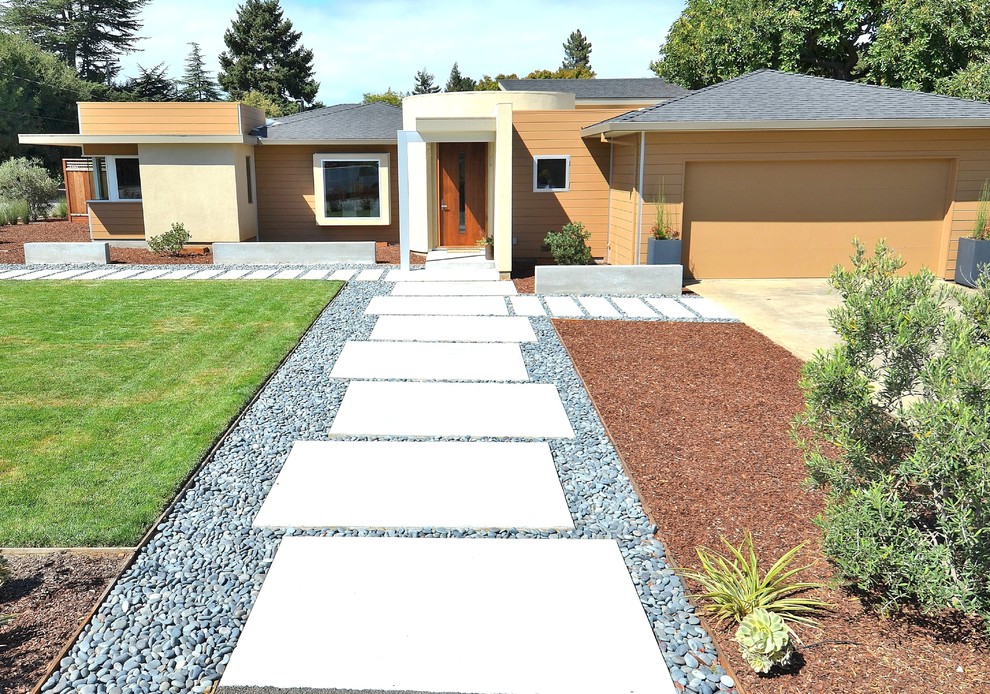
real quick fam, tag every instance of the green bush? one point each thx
(896, 427)
(27, 180)
(60, 210)
(11, 211)
(568, 246)
(171, 241)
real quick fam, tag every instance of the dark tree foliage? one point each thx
(424, 83)
(152, 84)
(263, 55)
(458, 82)
(577, 52)
(88, 35)
(197, 83)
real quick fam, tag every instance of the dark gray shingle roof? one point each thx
(770, 95)
(636, 88)
(376, 121)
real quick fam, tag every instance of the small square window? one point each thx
(551, 173)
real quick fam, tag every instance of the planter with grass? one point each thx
(664, 245)
(973, 257)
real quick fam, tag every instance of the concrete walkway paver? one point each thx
(598, 307)
(527, 306)
(453, 289)
(669, 308)
(454, 329)
(563, 307)
(633, 307)
(438, 361)
(438, 306)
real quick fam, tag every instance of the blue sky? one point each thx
(370, 45)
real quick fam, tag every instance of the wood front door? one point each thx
(463, 193)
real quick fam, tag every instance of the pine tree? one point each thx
(577, 52)
(197, 84)
(152, 84)
(424, 83)
(263, 54)
(88, 35)
(458, 82)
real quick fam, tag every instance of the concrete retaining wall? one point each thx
(614, 280)
(58, 253)
(298, 253)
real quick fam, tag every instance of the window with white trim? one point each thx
(116, 178)
(351, 189)
(551, 172)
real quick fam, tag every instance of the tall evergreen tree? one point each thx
(577, 52)
(263, 54)
(458, 82)
(197, 84)
(88, 35)
(424, 83)
(152, 84)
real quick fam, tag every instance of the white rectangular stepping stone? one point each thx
(527, 306)
(670, 308)
(343, 275)
(598, 306)
(369, 275)
(314, 274)
(488, 616)
(96, 274)
(179, 274)
(449, 275)
(438, 305)
(563, 307)
(64, 274)
(233, 274)
(633, 307)
(260, 274)
(506, 410)
(290, 274)
(453, 289)
(151, 274)
(405, 484)
(206, 274)
(440, 361)
(36, 275)
(454, 329)
(124, 274)
(10, 274)
(706, 308)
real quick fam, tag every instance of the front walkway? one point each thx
(324, 545)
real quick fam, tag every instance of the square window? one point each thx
(351, 189)
(128, 178)
(551, 173)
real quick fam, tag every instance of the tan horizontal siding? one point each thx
(131, 118)
(113, 150)
(287, 199)
(116, 220)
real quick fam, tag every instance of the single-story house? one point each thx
(767, 175)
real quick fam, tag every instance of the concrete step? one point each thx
(452, 260)
(438, 306)
(454, 329)
(453, 289)
(439, 361)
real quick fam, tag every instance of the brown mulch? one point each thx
(388, 254)
(700, 414)
(50, 594)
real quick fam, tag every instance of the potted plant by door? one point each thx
(489, 243)
(664, 245)
(973, 258)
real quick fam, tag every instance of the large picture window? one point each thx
(351, 189)
(116, 179)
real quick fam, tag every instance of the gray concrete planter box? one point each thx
(299, 253)
(59, 253)
(616, 280)
(972, 261)
(663, 251)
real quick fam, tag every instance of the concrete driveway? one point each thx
(791, 312)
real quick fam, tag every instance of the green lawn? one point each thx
(111, 392)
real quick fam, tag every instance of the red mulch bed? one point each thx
(388, 254)
(700, 414)
(50, 594)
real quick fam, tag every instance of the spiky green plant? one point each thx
(734, 587)
(981, 230)
(765, 640)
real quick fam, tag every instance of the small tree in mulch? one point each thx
(896, 428)
(569, 245)
(170, 242)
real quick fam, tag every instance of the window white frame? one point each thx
(113, 192)
(567, 173)
(384, 197)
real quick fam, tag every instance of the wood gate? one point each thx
(78, 177)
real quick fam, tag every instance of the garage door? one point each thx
(798, 218)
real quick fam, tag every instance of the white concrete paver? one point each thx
(405, 484)
(438, 305)
(151, 274)
(453, 289)
(369, 275)
(36, 275)
(287, 274)
(450, 275)
(124, 274)
(633, 307)
(65, 274)
(314, 275)
(179, 274)
(669, 307)
(343, 275)
(508, 410)
(10, 274)
(260, 274)
(95, 274)
(706, 308)
(563, 307)
(206, 274)
(527, 306)
(454, 329)
(233, 274)
(449, 615)
(598, 307)
(439, 361)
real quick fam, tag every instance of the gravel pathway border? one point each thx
(173, 618)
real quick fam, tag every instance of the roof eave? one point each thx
(338, 142)
(628, 127)
(75, 140)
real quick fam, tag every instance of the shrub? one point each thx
(662, 229)
(11, 211)
(60, 210)
(171, 241)
(734, 588)
(764, 640)
(896, 427)
(27, 180)
(568, 246)
(981, 229)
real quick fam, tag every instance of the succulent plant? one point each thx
(764, 640)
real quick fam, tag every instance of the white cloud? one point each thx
(375, 44)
